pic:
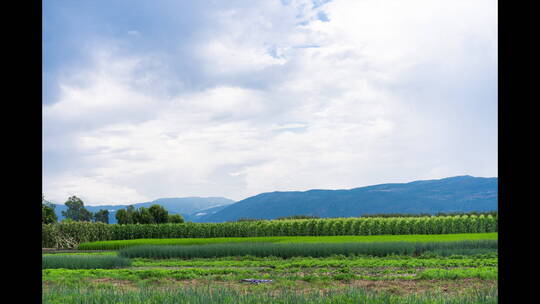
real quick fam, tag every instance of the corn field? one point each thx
(69, 235)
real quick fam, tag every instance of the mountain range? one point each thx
(452, 194)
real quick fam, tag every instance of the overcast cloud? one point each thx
(150, 99)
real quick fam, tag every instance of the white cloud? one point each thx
(382, 92)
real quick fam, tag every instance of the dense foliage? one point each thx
(70, 234)
(102, 216)
(76, 210)
(175, 218)
(47, 213)
(307, 227)
(156, 214)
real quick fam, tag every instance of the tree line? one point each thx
(155, 214)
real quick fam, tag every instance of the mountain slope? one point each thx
(460, 193)
(196, 217)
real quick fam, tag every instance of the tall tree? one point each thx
(76, 211)
(131, 214)
(159, 214)
(102, 216)
(122, 216)
(156, 214)
(126, 216)
(143, 216)
(175, 218)
(48, 215)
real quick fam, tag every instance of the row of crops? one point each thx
(289, 250)
(225, 295)
(70, 234)
(275, 250)
(84, 261)
(119, 244)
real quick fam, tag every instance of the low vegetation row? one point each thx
(224, 295)
(84, 261)
(337, 261)
(324, 270)
(70, 234)
(288, 250)
(115, 245)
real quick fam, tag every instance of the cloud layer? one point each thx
(258, 96)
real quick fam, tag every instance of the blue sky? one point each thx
(150, 99)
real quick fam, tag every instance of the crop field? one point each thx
(115, 245)
(445, 268)
(288, 250)
(68, 235)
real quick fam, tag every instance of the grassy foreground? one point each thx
(416, 269)
(115, 245)
(222, 295)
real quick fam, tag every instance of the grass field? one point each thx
(430, 277)
(115, 245)
(202, 295)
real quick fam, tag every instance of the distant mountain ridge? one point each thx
(452, 194)
(195, 217)
(175, 205)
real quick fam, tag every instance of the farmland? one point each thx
(68, 235)
(380, 268)
(115, 245)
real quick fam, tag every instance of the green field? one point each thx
(289, 250)
(115, 245)
(203, 295)
(449, 268)
(67, 234)
(329, 272)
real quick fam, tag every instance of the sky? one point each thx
(151, 99)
